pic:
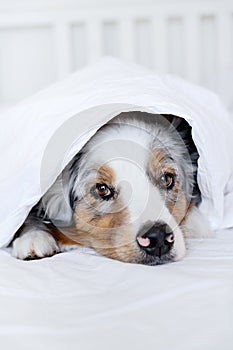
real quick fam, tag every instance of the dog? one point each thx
(131, 194)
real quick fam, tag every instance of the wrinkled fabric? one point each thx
(39, 136)
(78, 300)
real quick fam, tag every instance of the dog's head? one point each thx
(130, 189)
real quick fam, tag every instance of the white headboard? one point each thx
(43, 41)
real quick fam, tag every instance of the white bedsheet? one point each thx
(81, 301)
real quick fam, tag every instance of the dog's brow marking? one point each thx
(156, 163)
(106, 174)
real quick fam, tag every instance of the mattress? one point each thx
(78, 300)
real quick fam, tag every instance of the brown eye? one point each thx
(103, 191)
(167, 181)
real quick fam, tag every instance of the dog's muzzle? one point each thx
(157, 240)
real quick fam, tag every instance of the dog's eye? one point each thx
(166, 181)
(103, 191)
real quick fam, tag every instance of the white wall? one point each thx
(42, 41)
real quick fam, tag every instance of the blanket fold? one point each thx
(39, 136)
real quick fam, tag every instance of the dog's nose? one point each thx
(157, 240)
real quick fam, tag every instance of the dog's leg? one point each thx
(34, 243)
(195, 225)
(36, 240)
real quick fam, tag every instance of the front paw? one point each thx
(34, 244)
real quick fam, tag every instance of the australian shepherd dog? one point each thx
(130, 194)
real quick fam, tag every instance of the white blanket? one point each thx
(40, 135)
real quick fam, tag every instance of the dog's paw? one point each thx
(34, 244)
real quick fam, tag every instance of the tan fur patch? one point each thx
(60, 237)
(175, 198)
(155, 162)
(109, 234)
(179, 209)
(106, 175)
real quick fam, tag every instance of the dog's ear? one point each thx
(58, 203)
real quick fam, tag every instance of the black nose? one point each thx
(157, 240)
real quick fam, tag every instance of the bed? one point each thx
(79, 300)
